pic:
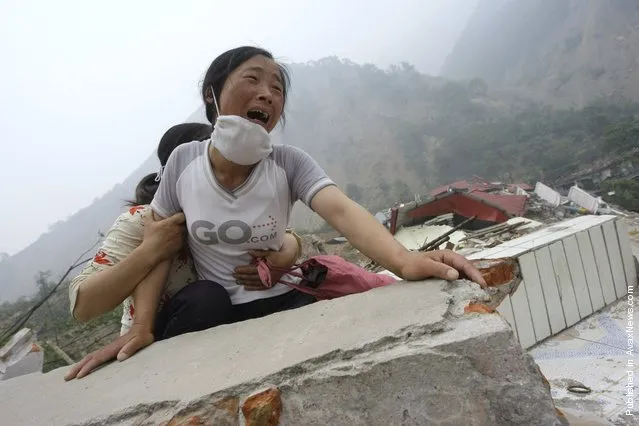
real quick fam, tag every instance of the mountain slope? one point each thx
(58, 248)
(373, 131)
(571, 51)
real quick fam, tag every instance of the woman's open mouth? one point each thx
(258, 116)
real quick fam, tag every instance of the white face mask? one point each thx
(239, 140)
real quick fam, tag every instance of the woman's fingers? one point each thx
(90, 362)
(460, 263)
(73, 372)
(95, 359)
(135, 344)
(90, 366)
(245, 270)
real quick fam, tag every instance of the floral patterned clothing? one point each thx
(120, 241)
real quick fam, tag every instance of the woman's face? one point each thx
(254, 91)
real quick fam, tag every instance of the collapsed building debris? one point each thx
(21, 355)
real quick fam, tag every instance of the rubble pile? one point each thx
(543, 207)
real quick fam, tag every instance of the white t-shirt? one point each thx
(223, 226)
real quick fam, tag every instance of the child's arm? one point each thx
(145, 298)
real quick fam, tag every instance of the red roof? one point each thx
(463, 204)
(515, 205)
(462, 185)
(496, 208)
(478, 186)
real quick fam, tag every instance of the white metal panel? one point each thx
(626, 253)
(578, 276)
(535, 294)
(551, 293)
(506, 311)
(485, 254)
(538, 238)
(548, 194)
(603, 264)
(547, 236)
(523, 320)
(564, 284)
(590, 267)
(614, 256)
(583, 199)
(592, 221)
(564, 229)
(506, 252)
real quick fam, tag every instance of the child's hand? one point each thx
(138, 337)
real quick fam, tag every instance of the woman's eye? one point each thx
(251, 77)
(277, 89)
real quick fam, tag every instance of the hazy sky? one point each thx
(87, 88)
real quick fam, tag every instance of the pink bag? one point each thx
(327, 277)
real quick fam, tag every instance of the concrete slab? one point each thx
(404, 354)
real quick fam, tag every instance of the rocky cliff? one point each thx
(568, 52)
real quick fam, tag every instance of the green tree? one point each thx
(622, 135)
(625, 193)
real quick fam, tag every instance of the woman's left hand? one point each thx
(284, 258)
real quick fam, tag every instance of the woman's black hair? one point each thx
(225, 64)
(174, 137)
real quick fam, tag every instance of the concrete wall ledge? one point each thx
(406, 354)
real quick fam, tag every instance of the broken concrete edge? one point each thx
(396, 340)
(503, 277)
(259, 402)
(261, 398)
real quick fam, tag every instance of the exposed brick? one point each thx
(230, 405)
(263, 409)
(479, 308)
(186, 421)
(497, 272)
(219, 412)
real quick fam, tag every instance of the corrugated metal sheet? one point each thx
(569, 270)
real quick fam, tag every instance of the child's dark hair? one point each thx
(225, 64)
(174, 137)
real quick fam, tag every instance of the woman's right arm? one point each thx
(122, 263)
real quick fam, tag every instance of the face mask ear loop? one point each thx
(217, 108)
(158, 176)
